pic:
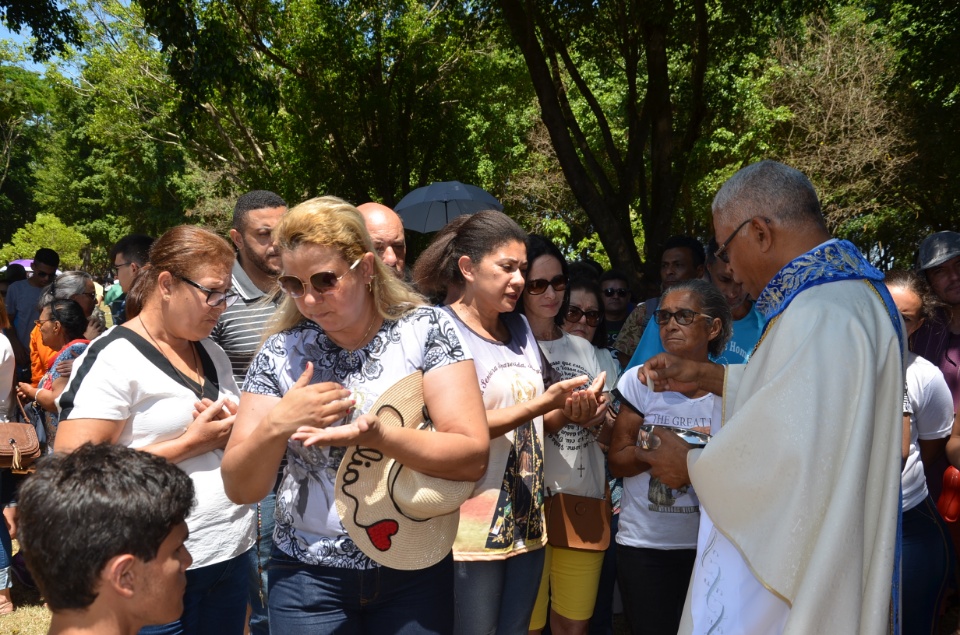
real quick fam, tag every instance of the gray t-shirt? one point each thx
(22, 298)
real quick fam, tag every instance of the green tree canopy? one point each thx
(47, 231)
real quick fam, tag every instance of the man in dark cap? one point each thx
(939, 340)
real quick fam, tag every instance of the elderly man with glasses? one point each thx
(799, 490)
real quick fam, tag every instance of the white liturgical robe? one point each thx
(802, 481)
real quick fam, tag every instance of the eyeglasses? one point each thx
(322, 282)
(683, 317)
(538, 286)
(117, 268)
(214, 298)
(721, 251)
(40, 322)
(575, 314)
(620, 293)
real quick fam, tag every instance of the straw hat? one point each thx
(398, 517)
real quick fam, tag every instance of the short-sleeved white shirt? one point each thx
(572, 458)
(653, 515)
(930, 404)
(307, 524)
(121, 376)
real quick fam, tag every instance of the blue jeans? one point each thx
(7, 489)
(215, 600)
(316, 600)
(259, 622)
(927, 554)
(497, 596)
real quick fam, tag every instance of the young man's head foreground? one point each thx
(102, 532)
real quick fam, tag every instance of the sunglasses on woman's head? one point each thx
(322, 282)
(538, 286)
(575, 314)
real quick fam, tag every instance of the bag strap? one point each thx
(23, 411)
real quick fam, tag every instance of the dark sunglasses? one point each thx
(538, 286)
(575, 314)
(622, 293)
(214, 298)
(683, 316)
(322, 282)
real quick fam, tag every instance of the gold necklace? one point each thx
(196, 362)
(356, 346)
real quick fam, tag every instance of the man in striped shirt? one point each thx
(239, 331)
(254, 277)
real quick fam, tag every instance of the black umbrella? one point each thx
(429, 208)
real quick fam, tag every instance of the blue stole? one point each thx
(834, 261)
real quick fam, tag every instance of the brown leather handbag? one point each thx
(19, 443)
(578, 522)
(19, 446)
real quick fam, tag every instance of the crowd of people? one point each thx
(292, 431)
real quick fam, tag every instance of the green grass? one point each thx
(31, 617)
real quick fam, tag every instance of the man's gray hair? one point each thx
(64, 287)
(771, 190)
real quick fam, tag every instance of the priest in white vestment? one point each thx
(799, 490)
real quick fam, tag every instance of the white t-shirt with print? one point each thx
(930, 404)
(653, 515)
(504, 515)
(122, 377)
(572, 459)
(307, 524)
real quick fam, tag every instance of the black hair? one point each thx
(81, 509)
(590, 285)
(537, 247)
(712, 304)
(917, 284)
(613, 274)
(47, 256)
(474, 236)
(133, 248)
(712, 248)
(71, 317)
(252, 200)
(687, 242)
(15, 272)
(586, 268)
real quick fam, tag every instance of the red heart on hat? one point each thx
(380, 533)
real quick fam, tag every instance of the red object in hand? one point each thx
(949, 502)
